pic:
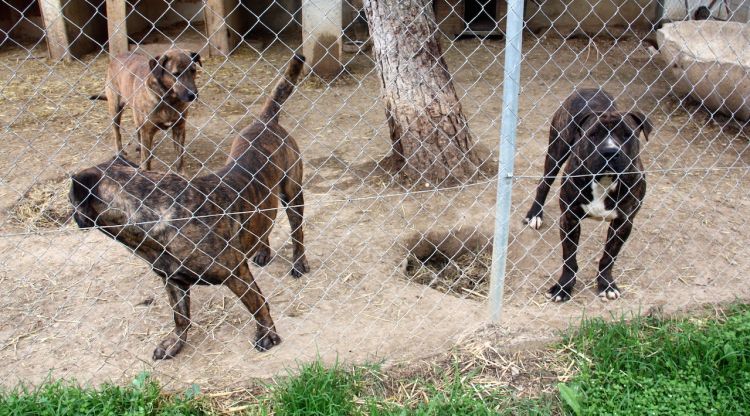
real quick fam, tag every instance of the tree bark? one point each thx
(430, 138)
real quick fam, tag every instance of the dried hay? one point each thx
(44, 205)
(482, 360)
(316, 83)
(457, 262)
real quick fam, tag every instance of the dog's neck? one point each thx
(607, 183)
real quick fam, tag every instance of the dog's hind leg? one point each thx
(263, 253)
(179, 299)
(243, 285)
(557, 153)
(294, 202)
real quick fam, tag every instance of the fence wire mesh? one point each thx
(399, 269)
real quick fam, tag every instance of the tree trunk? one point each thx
(431, 139)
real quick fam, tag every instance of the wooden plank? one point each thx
(216, 28)
(117, 28)
(321, 36)
(55, 29)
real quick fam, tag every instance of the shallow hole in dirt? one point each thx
(44, 205)
(457, 262)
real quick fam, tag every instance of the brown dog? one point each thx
(203, 231)
(159, 91)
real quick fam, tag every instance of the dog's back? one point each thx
(265, 146)
(126, 74)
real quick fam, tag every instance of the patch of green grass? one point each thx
(463, 397)
(58, 398)
(317, 390)
(320, 390)
(662, 366)
(645, 366)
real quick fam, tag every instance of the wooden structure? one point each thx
(322, 28)
(223, 23)
(21, 22)
(321, 36)
(75, 27)
(123, 23)
(584, 17)
(470, 17)
(72, 27)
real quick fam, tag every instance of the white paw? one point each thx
(534, 222)
(404, 266)
(610, 294)
(556, 299)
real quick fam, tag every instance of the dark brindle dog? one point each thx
(158, 90)
(604, 179)
(203, 231)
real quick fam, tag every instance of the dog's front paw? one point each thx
(265, 340)
(300, 267)
(168, 348)
(262, 257)
(534, 218)
(558, 293)
(534, 222)
(610, 292)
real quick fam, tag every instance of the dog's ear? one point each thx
(196, 57)
(82, 186)
(642, 123)
(158, 63)
(580, 119)
(122, 160)
(153, 62)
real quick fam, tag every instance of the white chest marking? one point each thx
(596, 208)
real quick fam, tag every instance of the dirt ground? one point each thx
(76, 304)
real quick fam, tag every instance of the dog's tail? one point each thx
(98, 97)
(283, 90)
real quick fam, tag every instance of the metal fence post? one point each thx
(511, 86)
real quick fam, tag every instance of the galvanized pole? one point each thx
(511, 87)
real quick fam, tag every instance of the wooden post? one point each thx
(56, 32)
(321, 36)
(216, 27)
(116, 27)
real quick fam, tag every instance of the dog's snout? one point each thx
(192, 96)
(609, 152)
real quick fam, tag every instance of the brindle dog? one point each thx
(159, 91)
(603, 179)
(203, 231)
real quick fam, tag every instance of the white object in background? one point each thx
(710, 61)
(677, 10)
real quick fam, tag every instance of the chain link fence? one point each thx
(398, 270)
